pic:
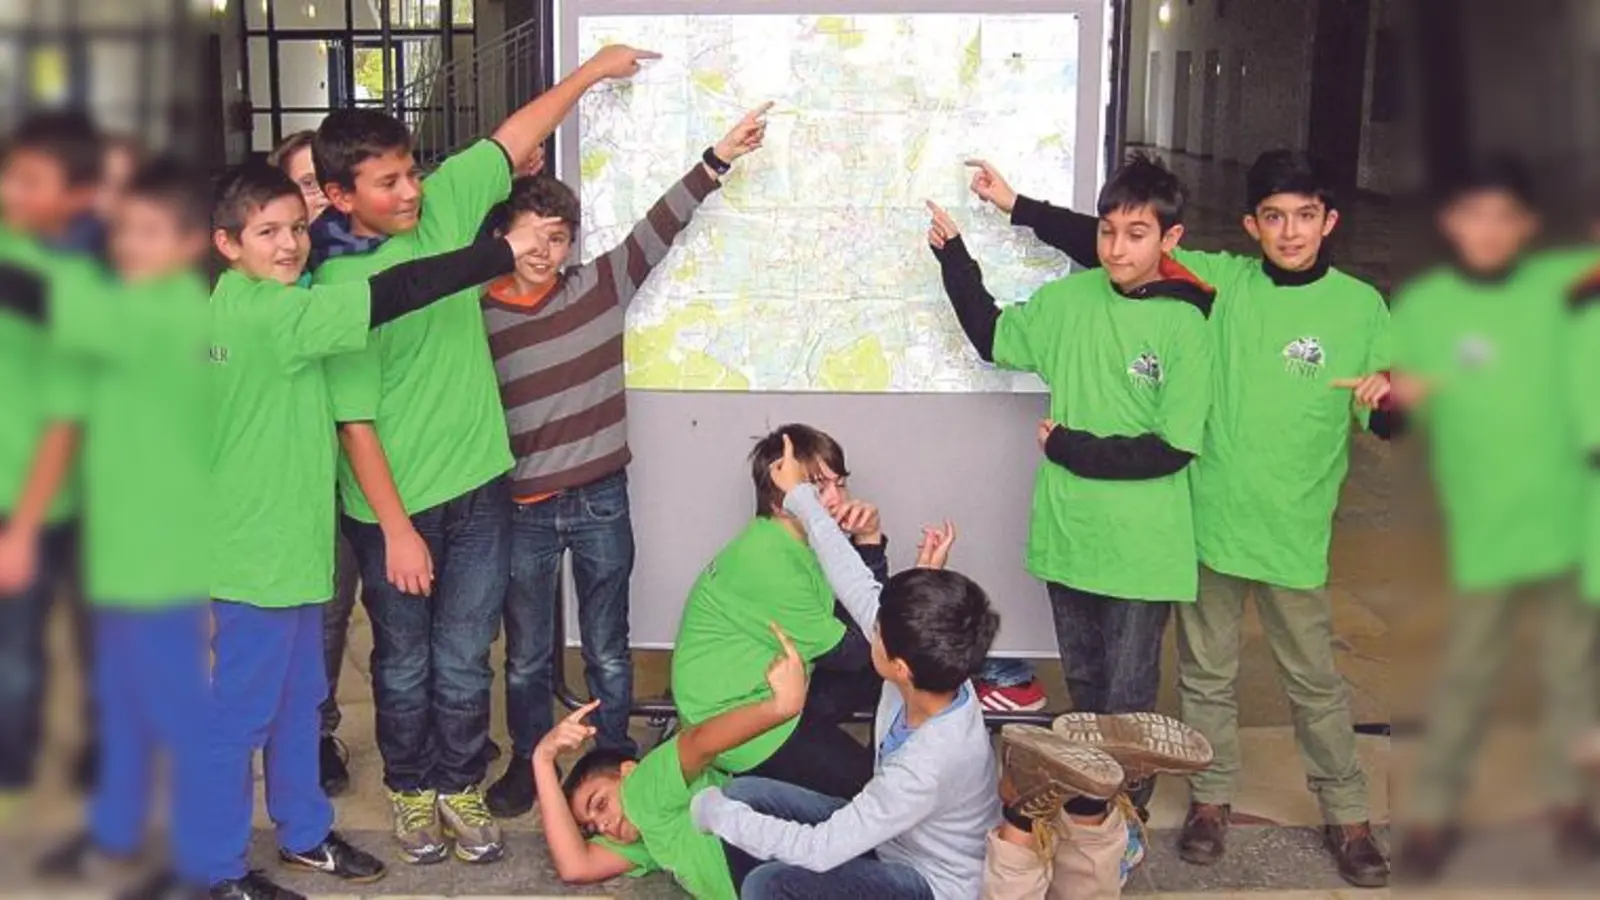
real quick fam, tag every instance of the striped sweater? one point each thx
(560, 361)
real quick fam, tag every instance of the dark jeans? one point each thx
(820, 757)
(430, 655)
(24, 619)
(336, 628)
(1110, 654)
(592, 523)
(864, 877)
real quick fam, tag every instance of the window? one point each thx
(306, 58)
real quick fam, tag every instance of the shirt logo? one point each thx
(1475, 352)
(1304, 356)
(1145, 369)
(218, 355)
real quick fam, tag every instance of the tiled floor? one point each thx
(1388, 613)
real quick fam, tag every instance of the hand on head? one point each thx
(786, 472)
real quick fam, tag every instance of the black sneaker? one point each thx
(86, 771)
(254, 886)
(513, 794)
(335, 766)
(334, 856)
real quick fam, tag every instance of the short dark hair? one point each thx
(1287, 172)
(1143, 181)
(1493, 172)
(349, 137)
(294, 143)
(810, 445)
(177, 185)
(939, 623)
(597, 762)
(541, 195)
(67, 136)
(245, 189)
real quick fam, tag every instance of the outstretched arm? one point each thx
(526, 129)
(1073, 233)
(699, 744)
(963, 283)
(576, 859)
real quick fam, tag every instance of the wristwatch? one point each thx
(715, 163)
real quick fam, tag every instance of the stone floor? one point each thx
(1389, 612)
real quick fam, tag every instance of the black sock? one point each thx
(1087, 806)
(1017, 818)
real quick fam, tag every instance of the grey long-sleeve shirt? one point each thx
(930, 804)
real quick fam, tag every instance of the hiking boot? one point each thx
(1424, 852)
(1041, 771)
(254, 886)
(1205, 832)
(335, 856)
(468, 821)
(1577, 837)
(1145, 744)
(334, 760)
(416, 827)
(513, 794)
(1355, 849)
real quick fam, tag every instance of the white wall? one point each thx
(1270, 38)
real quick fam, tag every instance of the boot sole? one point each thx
(1085, 769)
(478, 857)
(313, 870)
(1144, 743)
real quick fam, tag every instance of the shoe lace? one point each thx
(1043, 809)
(415, 811)
(470, 807)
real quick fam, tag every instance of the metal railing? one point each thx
(467, 97)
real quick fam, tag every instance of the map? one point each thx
(810, 269)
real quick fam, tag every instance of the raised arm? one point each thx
(851, 580)
(699, 744)
(963, 283)
(1073, 233)
(528, 127)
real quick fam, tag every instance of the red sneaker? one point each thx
(1013, 698)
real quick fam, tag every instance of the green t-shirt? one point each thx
(1504, 450)
(38, 384)
(1277, 444)
(272, 503)
(1584, 402)
(656, 800)
(725, 642)
(1114, 366)
(427, 381)
(147, 419)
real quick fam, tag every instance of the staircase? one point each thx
(468, 97)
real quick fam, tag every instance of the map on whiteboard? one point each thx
(809, 270)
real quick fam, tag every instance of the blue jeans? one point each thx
(152, 676)
(592, 523)
(1002, 672)
(430, 655)
(865, 876)
(24, 619)
(266, 685)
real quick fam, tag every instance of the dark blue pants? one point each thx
(151, 675)
(24, 619)
(266, 686)
(430, 655)
(864, 876)
(336, 628)
(592, 523)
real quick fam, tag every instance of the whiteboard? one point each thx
(969, 457)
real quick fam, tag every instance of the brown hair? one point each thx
(294, 143)
(811, 446)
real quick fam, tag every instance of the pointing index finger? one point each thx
(783, 640)
(577, 716)
(1346, 383)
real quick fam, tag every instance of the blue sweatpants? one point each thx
(150, 675)
(267, 683)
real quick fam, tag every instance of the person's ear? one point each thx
(627, 768)
(1252, 226)
(339, 198)
(1331, 223)
(1169, 241)
(226, 245)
